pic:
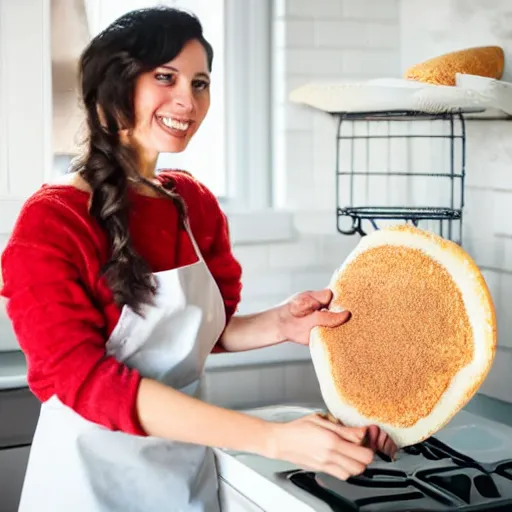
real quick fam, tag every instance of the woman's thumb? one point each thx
(331, 318)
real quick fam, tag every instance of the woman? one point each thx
(121, 283)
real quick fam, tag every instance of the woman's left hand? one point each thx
(306, 310)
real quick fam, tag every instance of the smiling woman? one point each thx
(73, 23)
(172, 101)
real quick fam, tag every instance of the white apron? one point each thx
(78, 466)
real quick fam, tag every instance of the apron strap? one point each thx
(193, 240)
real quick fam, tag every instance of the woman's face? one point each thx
(171, 102)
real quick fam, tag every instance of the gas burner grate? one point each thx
(431, 477)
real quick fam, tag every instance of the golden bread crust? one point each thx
(487, 61)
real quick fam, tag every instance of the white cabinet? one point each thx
(13, 463)
(25, 103)
(232, 501)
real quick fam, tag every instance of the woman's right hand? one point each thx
(318, 444)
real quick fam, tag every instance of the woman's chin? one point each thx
(174, 147)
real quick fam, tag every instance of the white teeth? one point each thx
(176, 125)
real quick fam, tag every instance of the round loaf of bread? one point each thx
(488, 61)
(421, 338)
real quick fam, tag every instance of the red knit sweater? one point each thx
(62, 310)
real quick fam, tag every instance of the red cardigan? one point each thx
(62, 310)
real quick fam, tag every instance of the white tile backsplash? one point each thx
(297, 118)
(503, 301)
(499, 381)
(371, 9)
(263, 385)
(252, 257)
(320, 9)
(310, 279)
(292, 256)
(489, 154)
(294, 33)
(369, 63)
(318, 62)
(382, 35)
(259, 283)
(340, 34)
(500, 222)
(483, 248)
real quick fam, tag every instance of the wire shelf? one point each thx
(403, 157)
(409, 215)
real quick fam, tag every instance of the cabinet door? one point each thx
(19, 411)
(233, 501)
(13, 463)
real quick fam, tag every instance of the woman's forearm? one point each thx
(247, 332)
(170, 414)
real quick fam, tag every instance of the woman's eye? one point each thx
(165, 77)
(200, 85)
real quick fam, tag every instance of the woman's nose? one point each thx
(183, 99)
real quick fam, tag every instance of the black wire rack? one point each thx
(395, 167)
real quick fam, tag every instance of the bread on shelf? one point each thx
(487, 61)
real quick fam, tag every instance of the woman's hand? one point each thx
(378, 441)
(306, 310)
(291, 321)
(317, 444)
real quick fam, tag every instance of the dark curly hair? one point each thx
(135, 43)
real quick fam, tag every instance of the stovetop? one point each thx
(428, 477)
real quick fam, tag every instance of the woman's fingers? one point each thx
(371, 436)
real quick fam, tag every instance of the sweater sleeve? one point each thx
(58, 327)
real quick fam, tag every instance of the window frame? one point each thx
(248, 48)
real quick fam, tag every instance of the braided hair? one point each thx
(135, 43)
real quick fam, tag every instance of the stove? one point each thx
(427, 477)
(466, 467)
